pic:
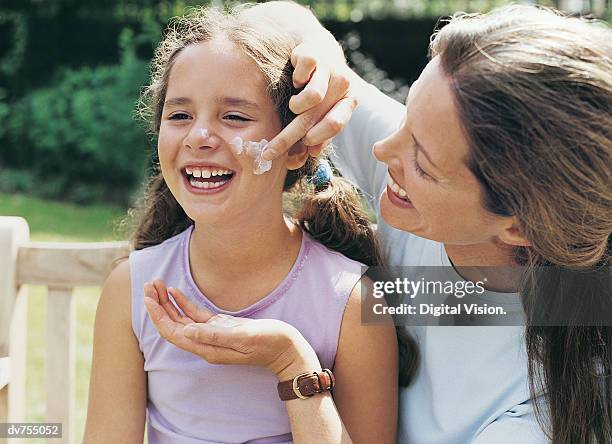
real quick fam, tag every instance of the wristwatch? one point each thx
(306, 385)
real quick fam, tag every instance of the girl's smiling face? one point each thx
(215, 86)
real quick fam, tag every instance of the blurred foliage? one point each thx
(76, 139)
(366, 68)
(12, 59)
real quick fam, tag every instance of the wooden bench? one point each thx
(60, 267)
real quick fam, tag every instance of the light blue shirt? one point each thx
(471, 385)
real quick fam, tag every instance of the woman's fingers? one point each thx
(315, 150)
(313, 93)
(332, 124)
(290, 135)
(304, 63)
(193, 312)
(338, 91)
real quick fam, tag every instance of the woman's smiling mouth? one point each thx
(397, 195)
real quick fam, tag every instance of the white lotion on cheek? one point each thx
(253, 150)
(237, 145)
(261, 165)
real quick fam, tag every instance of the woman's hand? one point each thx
(323, 107)
(223, 339)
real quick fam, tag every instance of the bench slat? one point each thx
(4, 372)
(61, 360)
(67, 264)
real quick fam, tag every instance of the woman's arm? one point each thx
(117, 390)
(366, 370)
(325, 106)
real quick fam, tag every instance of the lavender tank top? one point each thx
(190, 401)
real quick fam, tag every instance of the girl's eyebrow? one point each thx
(237, 101)
(177, 101)
(231, 101)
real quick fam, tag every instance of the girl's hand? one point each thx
(223, 339)
(323, 107)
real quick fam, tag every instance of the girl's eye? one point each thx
(178, 116)
(236, 117)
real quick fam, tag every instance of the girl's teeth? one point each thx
(402, 193)
(207, 185)
(195, 172)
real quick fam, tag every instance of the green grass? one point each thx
(53, 221)
(57, 221)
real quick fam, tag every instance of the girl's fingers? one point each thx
(165, 301)
(151, 292)
(219, 355)
(168, 329)
(219, 331)
(160, 318)
(193, 313)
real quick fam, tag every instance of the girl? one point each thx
(213, 228)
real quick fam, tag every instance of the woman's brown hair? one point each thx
(533, 89)
(331, 212)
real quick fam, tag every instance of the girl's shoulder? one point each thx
(168, 247)
(324, 256)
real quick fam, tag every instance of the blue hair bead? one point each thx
(323, 175)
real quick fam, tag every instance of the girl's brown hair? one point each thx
(330, 213)
(534, 92)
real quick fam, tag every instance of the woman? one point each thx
(502, 157)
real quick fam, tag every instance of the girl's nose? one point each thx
(202, 138)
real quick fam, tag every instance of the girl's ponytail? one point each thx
(332, 214)
(158, 216)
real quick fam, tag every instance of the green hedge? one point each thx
(77, 139)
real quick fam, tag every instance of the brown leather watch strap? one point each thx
(307, 384)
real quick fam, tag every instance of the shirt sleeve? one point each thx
(376, 117)
(518, 424)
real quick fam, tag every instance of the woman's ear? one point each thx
(297, 157)
(513, 234)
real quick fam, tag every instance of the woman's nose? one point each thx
(382, 149)
(386, 151)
